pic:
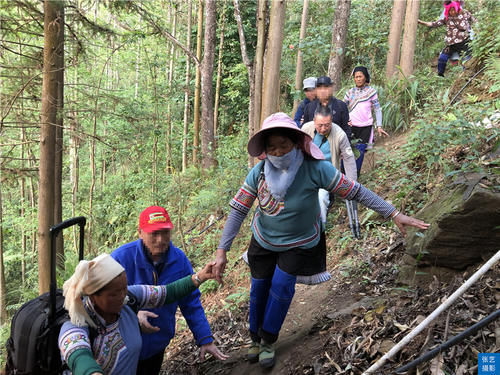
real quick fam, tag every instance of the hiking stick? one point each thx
(356, 220)
(350, 214)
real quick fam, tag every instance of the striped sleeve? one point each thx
(371, 200)
(342, 186)
(244, 198)
(352, 190)
(149, 296)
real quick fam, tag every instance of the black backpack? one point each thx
(32, 347)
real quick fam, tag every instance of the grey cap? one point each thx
(309, 83)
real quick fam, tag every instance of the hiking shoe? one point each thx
(253, 352)
(266, 355)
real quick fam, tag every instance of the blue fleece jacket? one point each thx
(141, 271)
(299, 115)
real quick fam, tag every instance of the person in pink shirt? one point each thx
(361, 100)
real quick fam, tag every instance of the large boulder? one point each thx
(465, 225)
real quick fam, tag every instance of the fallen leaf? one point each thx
(436, 366)
(401, 327)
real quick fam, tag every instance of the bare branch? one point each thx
(166, 34)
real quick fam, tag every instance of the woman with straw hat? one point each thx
(288, 235)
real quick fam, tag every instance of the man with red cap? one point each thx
(152, 260)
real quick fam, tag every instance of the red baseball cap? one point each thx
(154, 218)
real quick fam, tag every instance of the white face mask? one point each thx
(283, 161)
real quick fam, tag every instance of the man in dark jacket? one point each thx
(154, 260)
(324, 97)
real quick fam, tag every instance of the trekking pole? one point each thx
(374, 369)
(349, 214)
(356, 220)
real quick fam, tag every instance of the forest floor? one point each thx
(344, 325)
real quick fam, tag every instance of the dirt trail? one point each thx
(344, 325)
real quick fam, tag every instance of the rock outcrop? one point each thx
(465, 224)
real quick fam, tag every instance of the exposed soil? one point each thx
(343, 326)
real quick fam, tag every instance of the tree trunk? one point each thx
(137, 63)
(33, 188)
(219, 71)
(3, 287)
(274, 45)
(53, 46)
(409, 38)
(186, 91)
(339, 37)
(398, 11)
(59, 147)
(298, 69)
(196, 109)
(22, 194)
(169, 102)
(207, 67)
(74, 139)
(256, 90)
(92, 183)
(250, 67)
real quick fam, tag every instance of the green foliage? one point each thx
(486, 42)
(400, 100)
(235, 300)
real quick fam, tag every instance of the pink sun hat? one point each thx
(256, 144)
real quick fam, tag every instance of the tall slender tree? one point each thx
(274, 45)
(398, 12)
(298, 68)
(186, 89)
(262, 20)
(219, 69)
(170, 79)
(58, 166)
(207, 99)
(3, 287)
(22, 194)
(339, 37)
(53, 45)
(255, 67)
(197, 88)
(409, 37)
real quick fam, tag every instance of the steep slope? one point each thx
(344, 325)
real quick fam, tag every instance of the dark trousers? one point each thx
(448, 51)
(151, 365)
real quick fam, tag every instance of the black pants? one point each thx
(151, 365)
(295, 261)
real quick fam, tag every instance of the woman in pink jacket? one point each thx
(360, 100)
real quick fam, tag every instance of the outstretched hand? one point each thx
(146, 327)
(212, 349)
(207, 272)
(220, 264)
(424, 23)
(401, 220)
(382, 132)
